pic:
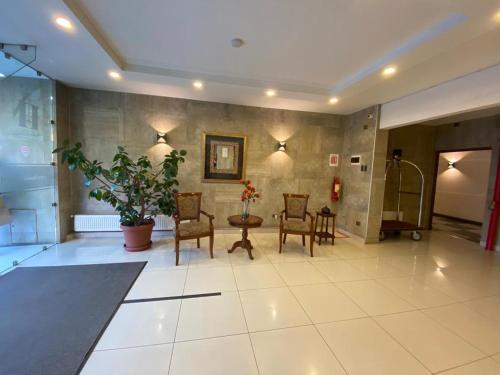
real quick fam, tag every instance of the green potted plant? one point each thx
(136, 190)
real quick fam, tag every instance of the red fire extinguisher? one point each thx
(336, 189)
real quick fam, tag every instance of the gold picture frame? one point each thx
(223, 157)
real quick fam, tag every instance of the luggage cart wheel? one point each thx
(381, 236)
(416, 235)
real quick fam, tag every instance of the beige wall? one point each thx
(478, 133)
(461, 191)
(103, 120)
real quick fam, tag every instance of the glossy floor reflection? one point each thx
(398, 307)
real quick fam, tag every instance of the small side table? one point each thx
(250, 222)
(324, 233)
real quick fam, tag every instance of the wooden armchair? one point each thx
(189, 208)
(293, 219)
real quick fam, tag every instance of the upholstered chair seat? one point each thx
(188, 224)
(194, 228)
(296, 225)
(293, 220)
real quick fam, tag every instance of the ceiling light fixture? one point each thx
(333, 100)
(237, 42)
(198, 85)
(64, 23)
(271, 92)
(496, 17)
(114, 74)
(389, 71)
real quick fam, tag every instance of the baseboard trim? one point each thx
(458, 219)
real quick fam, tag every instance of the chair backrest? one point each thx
(295, 205)
(188, 205)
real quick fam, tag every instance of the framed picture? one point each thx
(334, 160)
(224, 157)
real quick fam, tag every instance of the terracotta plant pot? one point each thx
(137, 238)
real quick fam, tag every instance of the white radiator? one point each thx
(111, 223)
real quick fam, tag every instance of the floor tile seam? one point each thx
(413, 304)
(423, 311)
(440, 372)
(407, 350)
(178, 319)
(372, 317)
(246, 322)
(133, 347)
(317, 331)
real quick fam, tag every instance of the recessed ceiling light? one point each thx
(114, 74)
(333, 100)
(198, 85)
(271, 92)
(64, 23)
(496, 17)
(389, 71)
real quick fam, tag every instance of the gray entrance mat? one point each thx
(52, 317)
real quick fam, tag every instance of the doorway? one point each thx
(460, 192)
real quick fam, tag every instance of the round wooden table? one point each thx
(250, 222)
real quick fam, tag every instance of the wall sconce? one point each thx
(281, 146)
(161, 137)
(451, 165)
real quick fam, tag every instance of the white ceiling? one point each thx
(306, 50)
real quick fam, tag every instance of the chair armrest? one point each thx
(312, 220)
(281, 214)
(211, 217)
(176, 219)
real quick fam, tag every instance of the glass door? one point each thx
(27, 172)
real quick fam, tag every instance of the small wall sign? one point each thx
(334, 160)
(355, 159)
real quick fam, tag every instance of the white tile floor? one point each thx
(11, 254)
(399, 307)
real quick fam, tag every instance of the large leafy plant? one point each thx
(135, 189)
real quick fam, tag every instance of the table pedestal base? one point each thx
(244, 243)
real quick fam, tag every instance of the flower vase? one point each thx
(246, 210)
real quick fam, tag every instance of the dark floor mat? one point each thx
(52, 317)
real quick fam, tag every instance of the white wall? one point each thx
(461, 191)
(471, 92)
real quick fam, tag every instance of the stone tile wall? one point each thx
(102, 120)
(360, 130)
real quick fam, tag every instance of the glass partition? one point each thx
(27, 173)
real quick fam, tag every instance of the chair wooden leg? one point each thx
(198, 243)
(303, 240)
(211, 245)
(176, 252)
(284, 238)
(311, 244)
(281, 240)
